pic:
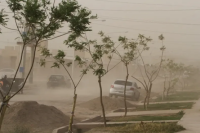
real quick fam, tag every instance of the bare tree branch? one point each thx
(9, 28)
(69, 74)
(113, 67)
(24, 43)
(139, 81)
(145, 69)
(159, 65)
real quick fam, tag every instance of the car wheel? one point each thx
(133, 98)
(138, 97)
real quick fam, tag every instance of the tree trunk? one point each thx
(127, 74)
(7, 98)
(163, 94)
(101, 101)
(70, 130)
(149, 94)
(145, 101)
(164, 90)
(168, 89)
(3, 111)
(168, 92)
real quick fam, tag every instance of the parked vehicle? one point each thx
(58, 81)
(17, 84)
(117, 89)
(6, 71)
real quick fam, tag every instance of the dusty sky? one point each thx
(177, 20)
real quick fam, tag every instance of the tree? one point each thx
(59, 61)
(97, 54)
(41, 20)
(189, 77)
(3, 18)
(150, 72)
(172, 72)
(130, 53)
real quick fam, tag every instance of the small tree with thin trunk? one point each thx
(59, 61)
(150, 73)
(41, 19)
(189, 77)
(127, 57)
(98, 52)
(171, 72)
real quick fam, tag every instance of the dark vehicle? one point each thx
(17, 84)
(58, 81)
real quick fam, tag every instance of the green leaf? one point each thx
(3, 18)
(55, 64)
(161, 37)
(42, 62)
(45, 52)
(69, 64)
(78, 58)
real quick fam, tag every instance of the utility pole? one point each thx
(32, 46)
(32, 57)
(27, 30)
(23, 64)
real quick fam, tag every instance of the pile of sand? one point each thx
(38, 118)
(109, 104)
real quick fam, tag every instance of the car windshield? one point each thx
(120, 82)
(56, 77)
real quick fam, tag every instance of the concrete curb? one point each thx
(85, 126)
(60, 130)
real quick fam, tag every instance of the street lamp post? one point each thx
(26, 30)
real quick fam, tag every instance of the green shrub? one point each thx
(181, 112)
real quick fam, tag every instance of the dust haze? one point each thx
(179, 26)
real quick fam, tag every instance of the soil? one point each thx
(109, 104)
(38, 118)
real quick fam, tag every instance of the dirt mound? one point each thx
(39, 118)
(109, 104)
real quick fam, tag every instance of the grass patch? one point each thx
(141, 128)
(177, 116)
(166, 106)
(180, 96)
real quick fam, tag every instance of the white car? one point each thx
(7, 71)
(117, 89)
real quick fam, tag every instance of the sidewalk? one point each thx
(140, 103)
(114, 114)
(191, 120)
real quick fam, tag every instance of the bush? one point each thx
(181, 112)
